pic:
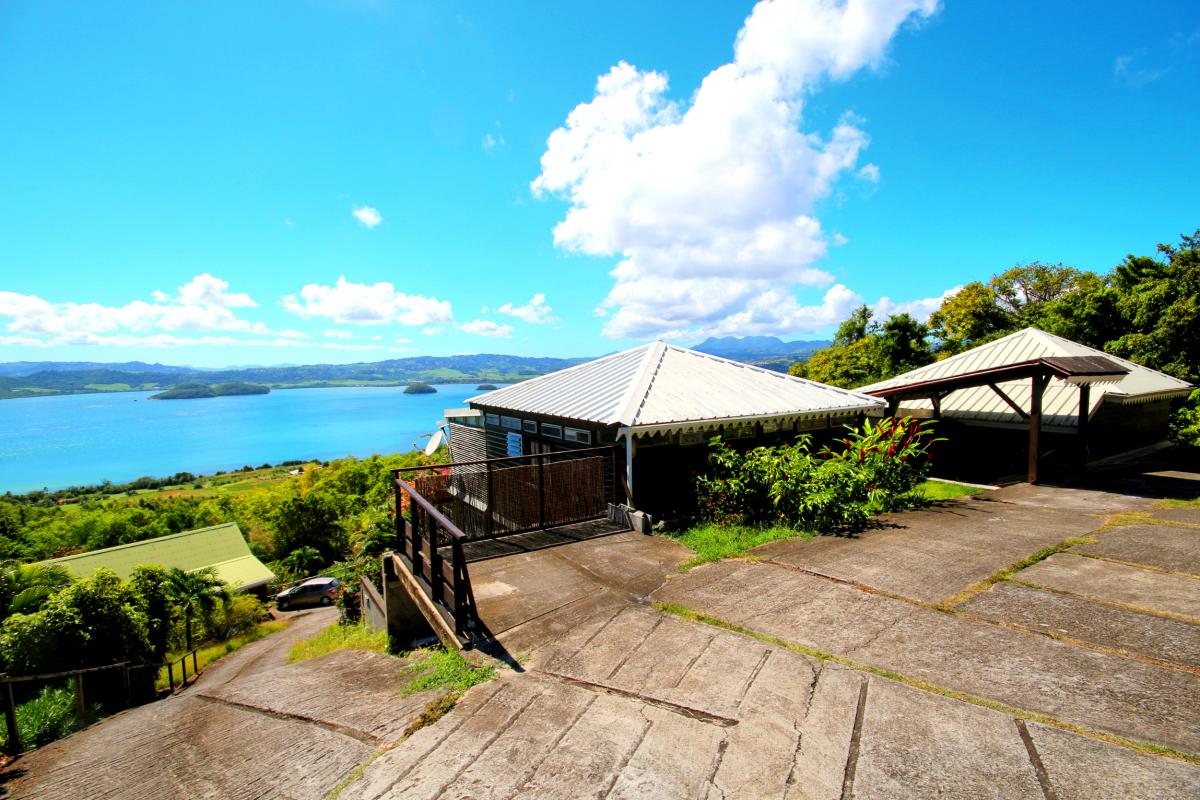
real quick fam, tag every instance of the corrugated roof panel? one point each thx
(661, 383)
(220, 546)
(1060, 403)
(592, 391)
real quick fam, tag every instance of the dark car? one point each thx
(312, 592)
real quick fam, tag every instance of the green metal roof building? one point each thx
(220, 546)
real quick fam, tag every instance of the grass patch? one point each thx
(934, 490)
(212, 652)
(713, 542)
(434, 710)
(439, 668)
(918, 683)
(339, 637)
(48, 717)
(1010, 572)
(1178, 503)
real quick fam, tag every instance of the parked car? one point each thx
(312, 592)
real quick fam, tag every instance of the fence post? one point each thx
(171, 674)
(488, 522)
(13, 744)
(128, 686)
(195, 665)
(80, 708)
(541, 492)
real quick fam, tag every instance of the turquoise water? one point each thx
(76, 440)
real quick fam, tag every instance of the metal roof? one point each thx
(220, 546)
(661, 386)
(1060, 403)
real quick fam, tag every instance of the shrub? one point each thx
(876, 468)
(48, 717)
(230, 619)
(1185, 422)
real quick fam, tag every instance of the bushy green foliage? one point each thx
(92, 622)
(152, 586)
(875, 468)
(1185, 425)
(864, 351)
(48, 717)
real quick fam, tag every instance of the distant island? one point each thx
(420, 388)
(192, 391)
(485, 387)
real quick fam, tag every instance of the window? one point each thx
(530, 426)
(553, 431)
(493, 419)
(577, 435)
(512, 423)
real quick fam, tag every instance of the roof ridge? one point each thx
(639, 387)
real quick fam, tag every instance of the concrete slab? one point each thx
(1189, 516)
(819, 771)
(935, 553)
(1059, 615)
(1118, 583)
(918, 745)
(358, 693)
(1092, 689)
(1084, 769)
(1164, 546)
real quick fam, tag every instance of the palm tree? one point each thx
(25, 587)
(303, 561)
(194, 592)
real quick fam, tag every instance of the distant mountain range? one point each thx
(765, 351)
(40, 378)
(49, 378)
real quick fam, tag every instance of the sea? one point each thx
(85, 439)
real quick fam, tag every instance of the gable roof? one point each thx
(220, 546)
(660, 386)
(1060, 403)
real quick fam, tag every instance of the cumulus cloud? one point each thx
(535, 311)
(333, 333)
(919, 310)
(710, 204)
(202, 304)
(368, 216)
(485, 327)
(367, 304)
(869, 172)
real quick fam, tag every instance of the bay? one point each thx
(74, 440)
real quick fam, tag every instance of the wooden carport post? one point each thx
(1081, 431)
(1037, 388)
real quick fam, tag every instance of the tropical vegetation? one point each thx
(1146, 309)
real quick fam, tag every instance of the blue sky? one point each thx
(298, 182)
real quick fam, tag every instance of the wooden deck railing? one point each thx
(424, 536)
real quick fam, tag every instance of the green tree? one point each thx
(90, 623)
(968, 318)
(24, 588)
(857, 326)
(1024, 290)
(196, 594)
(154, 590)
(847, 366)
(303, 561)
(903, 344)
(1159, 304)
(309, 520)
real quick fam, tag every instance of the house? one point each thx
(220, 546)
(1073, 402)
(657, 406)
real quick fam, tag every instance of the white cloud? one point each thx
(333, 333)
(919, 310)
(1129, 71)
(869, 172)
(367, 304)
(485, 327)
(202, 304)
(434, 331)
(710, 203)
(368, 216)
(535, 311)
(491, 142)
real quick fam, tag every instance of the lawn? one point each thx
(713, 542)
(945, 490)
(339, 637)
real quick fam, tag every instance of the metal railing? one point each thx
(516, 494)
(423, 537)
